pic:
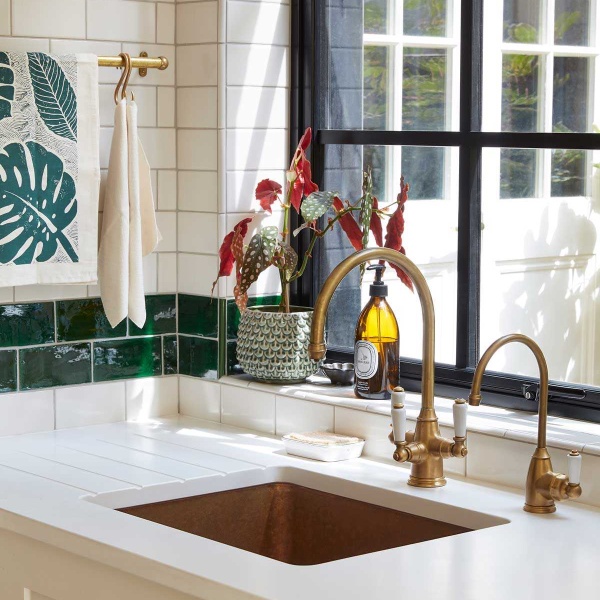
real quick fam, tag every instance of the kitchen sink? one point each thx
(295, 516)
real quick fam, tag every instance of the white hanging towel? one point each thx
(49, 168)
(129, 229)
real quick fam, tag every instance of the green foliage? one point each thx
(316, 205)
(564, 23)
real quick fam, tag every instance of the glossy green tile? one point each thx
(198, 315)
(26, 324)
(48, 366)
(233, 313)
(161, 316)
(8, 371)
(233, 367)
(170, 354)
(198, 357)
(125, 359)
(84, 319)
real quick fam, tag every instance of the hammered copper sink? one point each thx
(294, 524)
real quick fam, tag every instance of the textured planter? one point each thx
(273, 346)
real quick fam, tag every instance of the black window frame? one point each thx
(307, 109)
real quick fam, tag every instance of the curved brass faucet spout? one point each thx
(543, 487)
(424, 448)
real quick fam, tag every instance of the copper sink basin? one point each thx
(294, 524)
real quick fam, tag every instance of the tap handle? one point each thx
(574, 467)
(459, 412)
(399, 415)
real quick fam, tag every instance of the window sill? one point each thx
(567, 434)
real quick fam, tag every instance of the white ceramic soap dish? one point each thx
(324, 446)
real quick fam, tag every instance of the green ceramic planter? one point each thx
(273, 346)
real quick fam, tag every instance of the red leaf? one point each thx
(375, 225)
(296, 193)
(299, 174)
(404, 278)
(305, 140)
(349, 225)
(309, 185)
(267, 192)
(225, 251)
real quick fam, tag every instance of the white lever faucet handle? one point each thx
(399, 415)
(459, 412)
(574, 467)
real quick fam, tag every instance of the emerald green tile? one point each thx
(84, 319)
(233, 367)
(125, 359)
(161, 316)
(233, 313)
(8, 371)
(198, 315)
(64, 364)
(170, 354)
(26, 324)
(198, 357)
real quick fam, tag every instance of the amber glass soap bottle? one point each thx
(377, 344)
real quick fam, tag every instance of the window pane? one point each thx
(426, 17)
(520, 101)
(424, 89)
(522, 21)
(430, 240)
(376, 16)
(571, 94)
(540, 269)
(571, 22)
(376, 87)
(518, 169)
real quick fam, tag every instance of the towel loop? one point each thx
(121, 88)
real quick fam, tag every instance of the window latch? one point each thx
(531, 391)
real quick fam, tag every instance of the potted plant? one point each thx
(273, 340)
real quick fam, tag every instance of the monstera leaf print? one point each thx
(37, 204)
(54, 97)
(7, 89)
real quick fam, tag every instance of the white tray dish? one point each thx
(325, 452)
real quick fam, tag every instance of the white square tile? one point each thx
(373, 428)
(7, 294)
(195, 273)
(13, 44)
(257, 107)
(241, 186)
(145, 98)
(257, 65)
(90, 404)
(246, 23)
(167, 190)
(300, 416)
(197, 107)
(197, 232)
(150, 267)
(159, 145)
(165, 23)
(105, 74)
(259, 149)
(151, 397)
(121, 20)
(251, 409)
(197, 65)
(167, 272)
(4, 17)
(197, 190)
(167, 225)
(154, 76)
(40, 18)
(26, 412)
(166, 106)
(200, 398)
(197, 23)
(197, 149)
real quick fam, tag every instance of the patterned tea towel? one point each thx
(49, 168)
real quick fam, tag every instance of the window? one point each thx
(487, 108)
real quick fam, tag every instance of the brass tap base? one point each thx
(539, 510)
(425, 482)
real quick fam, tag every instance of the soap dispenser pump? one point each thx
(377, 344)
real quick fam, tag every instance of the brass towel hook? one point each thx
(121, 89)
(121, 79)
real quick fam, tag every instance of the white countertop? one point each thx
(43, 478)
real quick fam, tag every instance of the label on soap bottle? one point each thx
(366, 360)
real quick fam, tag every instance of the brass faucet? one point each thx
(424, 447)
(543, 486)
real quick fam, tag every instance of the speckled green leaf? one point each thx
(54, 97)
(258, 257)
(290, 258)
(7, 89)
(316, 205)
(37, 203)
